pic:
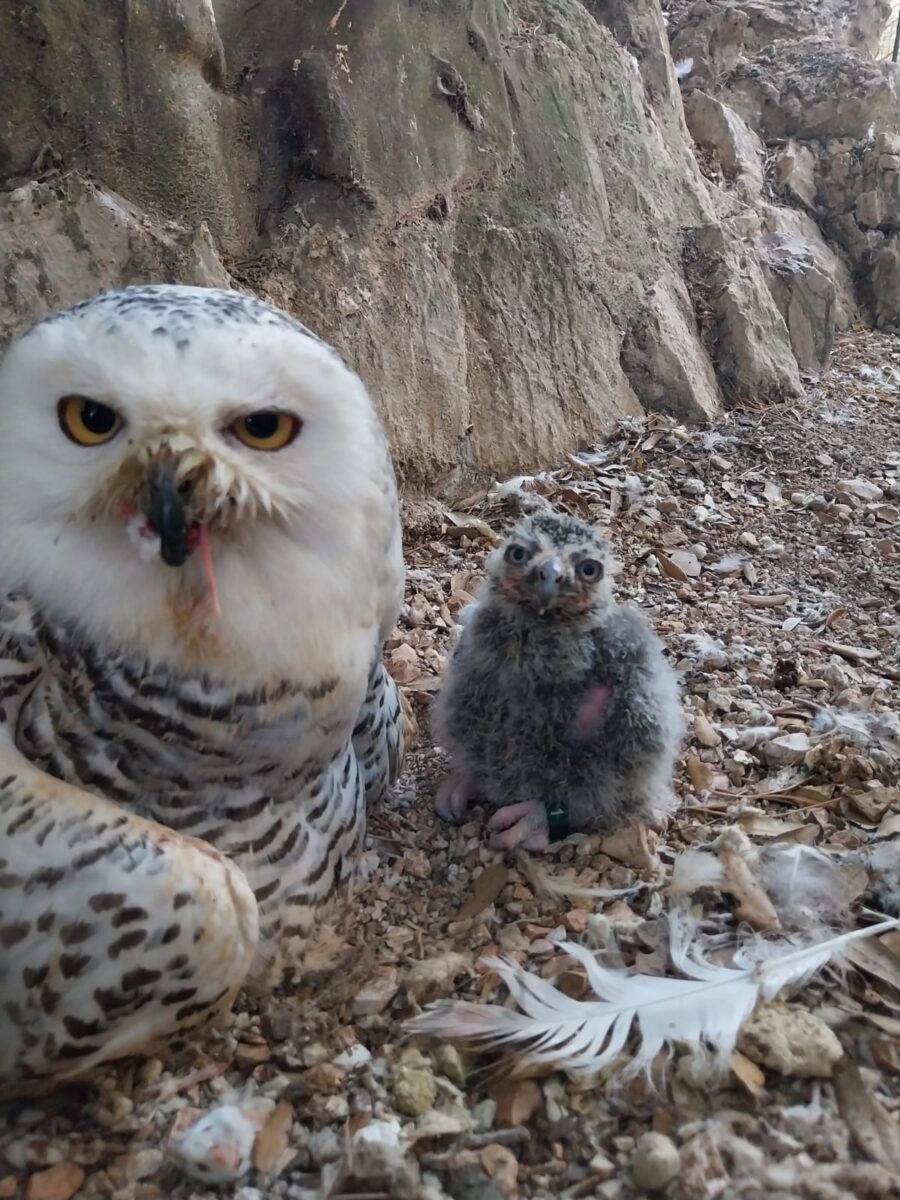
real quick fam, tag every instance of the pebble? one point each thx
(655, 1163)
(790, 1040)
(413, 1084)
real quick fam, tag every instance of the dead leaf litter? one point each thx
(766, 551)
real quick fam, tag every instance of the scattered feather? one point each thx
(583, 1036)
(683, 68)
(803, 883)
(693, 870)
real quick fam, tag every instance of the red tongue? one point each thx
(209, 570)
(199, 537)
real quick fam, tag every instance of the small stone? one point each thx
(748, 539)
(354, 1057)
(313, 1053)
(413, 1084)
(380, 1164)
(471, 1182)
(375, 995)
(484, 1115)
(448, 1061)
(60, 1182)
(862, 489)
(655, 1163)
(323, 1077)
(502, 1166)
(9, 1187)
(790, 1040)
(575, 920)
(601, 1167)
(250, 1054)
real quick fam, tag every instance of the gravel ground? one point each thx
(766, 551)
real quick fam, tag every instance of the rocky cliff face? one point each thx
(493, 207)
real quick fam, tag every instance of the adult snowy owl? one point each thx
(199, 562)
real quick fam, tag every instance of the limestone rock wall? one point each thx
(495, 208)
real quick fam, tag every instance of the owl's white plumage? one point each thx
(260, 729)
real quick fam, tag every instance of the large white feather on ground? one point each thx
(707, 1008)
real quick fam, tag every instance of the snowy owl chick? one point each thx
(199, 562)
(559, 710)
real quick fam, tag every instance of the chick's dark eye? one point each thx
(589, 569)
(515, 554)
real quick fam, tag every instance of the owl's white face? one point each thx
(149, 425)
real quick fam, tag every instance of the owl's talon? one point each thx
(521, 825)
(454, 796)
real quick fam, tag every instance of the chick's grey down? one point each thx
(556, 694)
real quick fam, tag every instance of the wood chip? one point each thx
(487, 887)
(517, 1101)
(272, 1140)
(750, 1075)
(59, 1182)
(776, 601)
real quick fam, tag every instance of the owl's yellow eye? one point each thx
(87, 422)
(266, 429)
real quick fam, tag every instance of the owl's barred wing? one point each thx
(116, 933)
(380, 735)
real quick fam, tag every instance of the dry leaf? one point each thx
(753, 905)
(760, 825)
(852, 653)
(635, 846)
(487, 887)
(875, 959)
(873, 1130)
(271, 1143)
(671, 568)
(700, 774)
(687, 562)
(704, 732)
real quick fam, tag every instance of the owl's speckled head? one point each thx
(553, 565)
(151, 430)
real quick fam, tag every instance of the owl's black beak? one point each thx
(165, 512)
(546, 582)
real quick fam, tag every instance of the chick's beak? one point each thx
(546, 582)
(165, 512)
